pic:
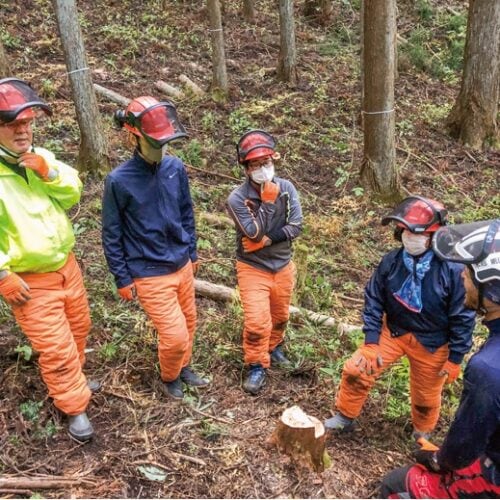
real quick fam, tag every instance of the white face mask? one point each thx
(263, 174)
(415, 244)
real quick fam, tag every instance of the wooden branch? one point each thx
(226, 294)
(213, 173)
(302, 437)
(111, 95)
(216, 220)
(41, 483)
(168, 89)
(193, 87)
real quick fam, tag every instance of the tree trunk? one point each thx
(248, 11)
(473, 119)
(378, 172)
(93, 156)
(219, 72)
(287, 64)
(4, 63)
(302, 437)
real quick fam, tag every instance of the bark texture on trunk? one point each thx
(379, 173)
(93, 157)
(4, 63)
(287, 63)
(219, 71)
(248, 11)
(473, 119)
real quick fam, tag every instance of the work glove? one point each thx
(128, 292)
(451, 371)
(269, 192)
(196, 267)
(250, 246)
(14, 290)
(36, 163)
(426, 455)
(367, 359)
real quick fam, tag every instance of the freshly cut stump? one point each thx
(302, 437)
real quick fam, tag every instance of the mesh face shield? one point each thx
(19, 101)
(255, 144)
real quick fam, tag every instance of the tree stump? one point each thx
(302, 437)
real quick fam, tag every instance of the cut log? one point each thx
(168, 89)
(111, 95)
(302, 437)
(193, 87)
(41, 482)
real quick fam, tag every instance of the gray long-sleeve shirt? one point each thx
(280, 221)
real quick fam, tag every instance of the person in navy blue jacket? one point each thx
(468, 463)
(413, 308)
(149, 238)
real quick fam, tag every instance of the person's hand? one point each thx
(367, 359)
(269, 192)
(36, 163)
(451, 371)
(426, 455)
(250, 246)
(14, 290)
(196, 267)
(128, 292)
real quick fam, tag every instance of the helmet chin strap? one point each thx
(11, 154)
(480, 292)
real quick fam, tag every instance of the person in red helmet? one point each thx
(39, 276)
(414, 308)
(149, 238)
(268, 217)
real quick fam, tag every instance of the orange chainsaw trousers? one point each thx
(265, 297)
(57, 321)
(169, 302)
(425, 383)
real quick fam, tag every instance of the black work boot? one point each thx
(80, 427)
(255, 379)
(94, 385)
(189, 377)
(278, 357)
(173, 388)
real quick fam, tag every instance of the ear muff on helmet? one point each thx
(255, 144)
(19, 101)
(418, 215)
(155, 121)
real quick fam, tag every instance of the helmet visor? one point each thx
(416, 214)
(158, 124)
(18, 100)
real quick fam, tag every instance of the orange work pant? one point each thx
(57, 321)
(266, 300)
(425, 383)
(169, 301)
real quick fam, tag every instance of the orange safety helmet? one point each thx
(255, 144)
(156, 121)
(17, 100)
(418, 215)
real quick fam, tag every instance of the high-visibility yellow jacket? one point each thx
(35, 232)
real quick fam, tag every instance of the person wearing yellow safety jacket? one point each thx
(39, 276)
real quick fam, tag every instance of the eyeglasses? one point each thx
(259, 163)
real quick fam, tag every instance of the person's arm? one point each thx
(187, 214)
(293, 226)
(112, 235)
(373, 311)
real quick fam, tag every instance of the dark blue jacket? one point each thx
(443, 319)
(475, 431)
(148, 226)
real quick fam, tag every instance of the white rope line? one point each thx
(77, 70)
(218, 29)
(387, 111)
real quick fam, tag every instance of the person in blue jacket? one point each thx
(149, 238)
(468, 463)
(414, 308)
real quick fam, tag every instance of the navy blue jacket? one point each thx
(475, 431)
(443, 319)
(148, 226)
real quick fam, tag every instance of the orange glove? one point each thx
(14, 290)
(269, 192)
(128, 292)
(36, 163)
(250, 246)
(366, 359)
(451, 371)
(196, 267)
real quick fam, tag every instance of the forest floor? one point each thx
(216, 442)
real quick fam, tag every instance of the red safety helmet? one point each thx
(156, 121)
(255, 144)
(17, 100)
(418, 215)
